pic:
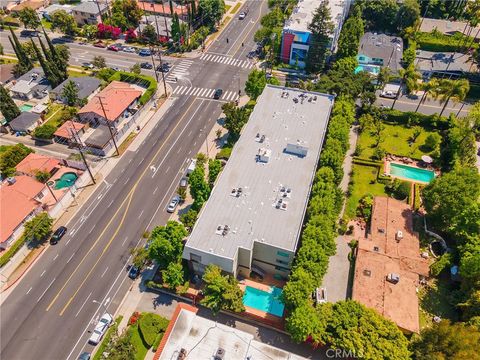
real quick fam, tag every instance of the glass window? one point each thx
(281, 269)
(283, 262)
(195, 258)
(284, 254)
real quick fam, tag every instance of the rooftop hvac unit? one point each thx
(11, 180)
(295, 149)
(264, 155)
(393, 278)
(219, 354)
(182, 354)
(399, 235)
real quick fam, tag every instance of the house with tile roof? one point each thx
(389, 266)
(34, 162)
(69, 131)
(89, 12)
(111, 105)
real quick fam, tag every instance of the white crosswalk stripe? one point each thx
(203, 93)
(227, 60)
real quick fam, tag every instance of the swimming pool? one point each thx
(372, 69)
(264, 301)
(412, 173)
(66, 180)
(25, 107)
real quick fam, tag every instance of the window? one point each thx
(284, 254)
(283, 262)
(195, 258)
(281, 269)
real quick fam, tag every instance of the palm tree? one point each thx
(429, 89)
(411, 77)
(455, 90)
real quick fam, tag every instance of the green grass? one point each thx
(236, 7)
(141, 348)
(46, 24)
(396, 141)
(227, 7)
(362, 178)
(79, 73)
(103, 345)
(54, 115)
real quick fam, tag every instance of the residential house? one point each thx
(6, 74)
(86, 86)
(449, 27)
(296, 37)
(202, 338)
(99, 141)
(20, 200)
(50, 10)
(89, 12)
(389, 266)
(254, 216)
(444, 64)
(26, 122)
(163, 8)
(69, 132)
(31, 85)
(32, 4)
(380, 50)
(158, 22)
(111, 105)
(34, 163)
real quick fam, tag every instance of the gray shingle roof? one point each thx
(24, 121)
(86, 85)
(89, 7)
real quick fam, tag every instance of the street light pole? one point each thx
(104, 307)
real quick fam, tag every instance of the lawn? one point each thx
(54, 115)
(80, 73)
(141, 348)
(364, 182)
(227, 7)
(237, 6)
(395, 141)
(46, 24)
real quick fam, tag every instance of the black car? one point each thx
(84, 356)
(146, 65)
(58, 234)
(218, 94)
(28, 33)
(133, 272)
(164, 68)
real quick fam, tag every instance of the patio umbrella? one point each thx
(427, 159)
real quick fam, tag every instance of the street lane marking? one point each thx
(141, 213)
(55, 258)
(29, 290)
(126, 181)
(68, 241)
(81, 307)
(48, 287)
(43, 273)
(93, 227)
(70, 258)
(126, 238)
(104, 272)
(154, 191)
(127, 201)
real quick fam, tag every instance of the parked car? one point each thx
(84, 356)
(87, 65)
(100, 44)
(129, 49)
(173, 204)
(165, 67)
(113, 48)
(144, 52)
(28, 33)
(133, 272)
(191, 166)
(184, 182)
(242, 15)
(100, 329)
(217, 94)
(388, 94)
(57, 235)
(146, 65)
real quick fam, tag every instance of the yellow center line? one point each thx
(128, 198)
(248, 33)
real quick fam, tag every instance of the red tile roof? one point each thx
(16, 203)
(65, 131)
(116, 98)
(380, 254)
(35, 162)
(158, 9)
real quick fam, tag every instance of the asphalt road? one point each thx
(48, 314)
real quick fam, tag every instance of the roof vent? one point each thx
(376, 248)
(236, 192)
(11, 180)
(367, 272)
(219, 354)
(399, 235)
(182, 354)
(259, 138)
(393, 278)
(264, 155)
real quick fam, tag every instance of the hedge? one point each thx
(437, 42)
(142, 80)
(224, 153)
(5, 258)
(410, 118)
(150, 325)
(378, 164)
(45, 131)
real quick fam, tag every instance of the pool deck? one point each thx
(410, 162)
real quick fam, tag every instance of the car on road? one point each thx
(84, 356)
(165, 67)
(87, 65)
(183, 182)
(146, 65)
(100, 329)
(217, 94)
(57, 235)
(28, 33)
(129, 49)
(133, 272)
(113, 48)
(144, 52)
(173, 204)
(242, 15)
(100, 44)
(388, 94)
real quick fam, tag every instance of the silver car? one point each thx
(173, 204)
(100, 329)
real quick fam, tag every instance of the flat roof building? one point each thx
(254, 216)
(388, 265)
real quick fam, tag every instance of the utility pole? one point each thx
(161, 71)
(109, 127)
(165, 19)
(51, 192)
(86, 164)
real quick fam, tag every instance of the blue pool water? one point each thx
(374, 69)
(264, 301)
(413, 173)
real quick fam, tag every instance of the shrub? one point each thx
(45, 131)
(364, 208)
(150, 325)
(224, 153)
(12, 250)
(134, 318)
(142, 80)
(438, 42)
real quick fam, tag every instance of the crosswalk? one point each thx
(179, 71)
(203, 93)
(227, 60)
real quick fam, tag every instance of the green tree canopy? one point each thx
(189, 218)
(321, 28)
(166, 243)
(64, 22)
(350, 36)
(99, 62)
(173, 275)
(39, 227)
(10, 157)
(255, 83)
(211, 11)
(235, 119)
(8, 107)
(29, 18)
(136, 69)
(70, 93)
(199, 189)
(126, 14)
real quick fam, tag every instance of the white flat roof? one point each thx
(253, 216)
(302, 14)
(201, 338)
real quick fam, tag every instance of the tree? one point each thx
(166, 243)
(214, 168)
(25, 64)
(408, 14)
(304, 323)
(70, 93)
(10, 157)
(49, 69)
(321, 28)
(149, 34)
(380, 15)
(235, 119)
(459, 148)
(298, 288)
(447, 196)
(121, 348)
(29, 18)
(352, 31)
(447, 341)
(38, 228)
(255, 83)
(44, 131)
(140, 256)
(136, 69)
(126, 14)
(189, 218)
(173, 275)
(383, 76)
(175, 28)
(430, 89)
(455, 90)
(99, 62)
(89, 31)
(211, 11)
(8, 107)
(432, 141)
(42, 176)
(64, 22)
(221, 292)
(199, 189)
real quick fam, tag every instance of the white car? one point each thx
(388, 94)
(242, 16)
(173, 204)
(128, 49)
(100, 329)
